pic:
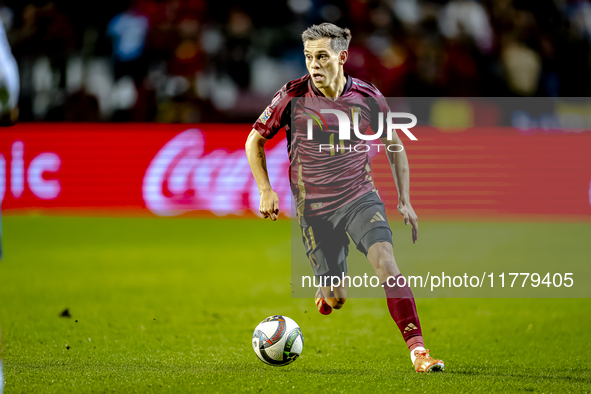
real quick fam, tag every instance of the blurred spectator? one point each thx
(128, 31)
(522, 66)
(9, 79)
(469, 18)
(236, 61)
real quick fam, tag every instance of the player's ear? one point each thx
(343, 56)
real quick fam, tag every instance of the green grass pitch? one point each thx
(169, 305)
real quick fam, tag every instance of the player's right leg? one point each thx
(336, 297)
(327, 249)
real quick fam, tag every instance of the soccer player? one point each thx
(334, 193)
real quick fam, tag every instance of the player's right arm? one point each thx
(255, 153)
(275, 117)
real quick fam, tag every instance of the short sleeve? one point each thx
(276, 116)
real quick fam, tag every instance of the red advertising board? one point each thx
(168, 170)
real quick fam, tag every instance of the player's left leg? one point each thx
(401, 303)
(370, 230)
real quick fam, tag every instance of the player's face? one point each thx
(322, 62)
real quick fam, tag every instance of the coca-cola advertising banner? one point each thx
(170, 170)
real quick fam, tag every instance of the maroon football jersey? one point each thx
(325, 172)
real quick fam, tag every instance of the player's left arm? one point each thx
(400, 170)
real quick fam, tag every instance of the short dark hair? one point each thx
(339, 37)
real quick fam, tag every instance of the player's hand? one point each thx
(410, 216)
(269, 206)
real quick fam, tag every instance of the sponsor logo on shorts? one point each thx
(378, 218)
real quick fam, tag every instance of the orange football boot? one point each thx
(425, 363)
(322, 306)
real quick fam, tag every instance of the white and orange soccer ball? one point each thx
(278, 341)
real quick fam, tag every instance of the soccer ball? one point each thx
(278, 341)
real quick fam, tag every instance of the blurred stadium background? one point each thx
(209, 61)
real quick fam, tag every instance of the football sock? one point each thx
(403, 310)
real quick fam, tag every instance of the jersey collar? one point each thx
(346, 89)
